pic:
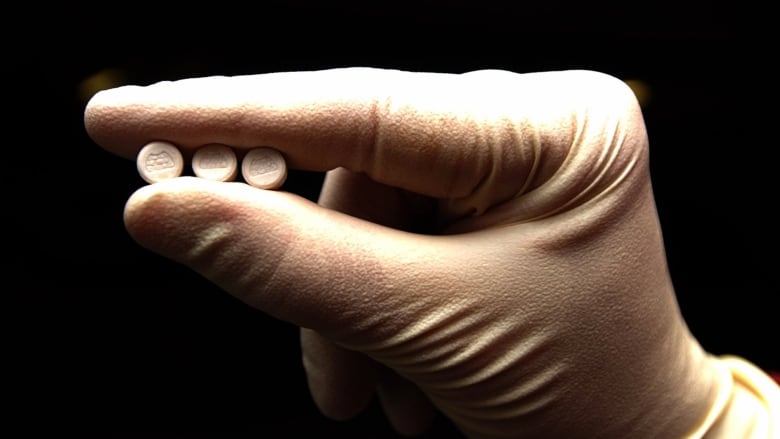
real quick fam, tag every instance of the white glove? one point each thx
(486, 244)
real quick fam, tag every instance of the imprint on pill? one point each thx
(158, 161)
(215, 162)
(264, 168)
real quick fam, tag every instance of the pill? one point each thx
(264, 168)
(159, 161)
(215, 162)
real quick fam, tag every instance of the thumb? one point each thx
(285, 255)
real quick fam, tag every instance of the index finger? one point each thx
(436, 134)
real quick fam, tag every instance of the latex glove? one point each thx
(489, 239)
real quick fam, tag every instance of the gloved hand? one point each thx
(486, 244)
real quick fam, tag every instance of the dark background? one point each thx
(104, 336)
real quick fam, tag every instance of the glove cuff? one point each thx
(748, 405)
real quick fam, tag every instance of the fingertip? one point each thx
(107, 120)
(136, 218)
(112, 97)
(137, 200)
(341, 382)
(406, 407)
(93, 110)
(155, 214)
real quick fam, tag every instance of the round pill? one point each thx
(215, 162)
(159, 161)
(264, 168)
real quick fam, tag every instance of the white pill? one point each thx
(264, 168)
(159, 161)
(215, 162)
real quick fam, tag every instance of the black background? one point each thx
(104, 336)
